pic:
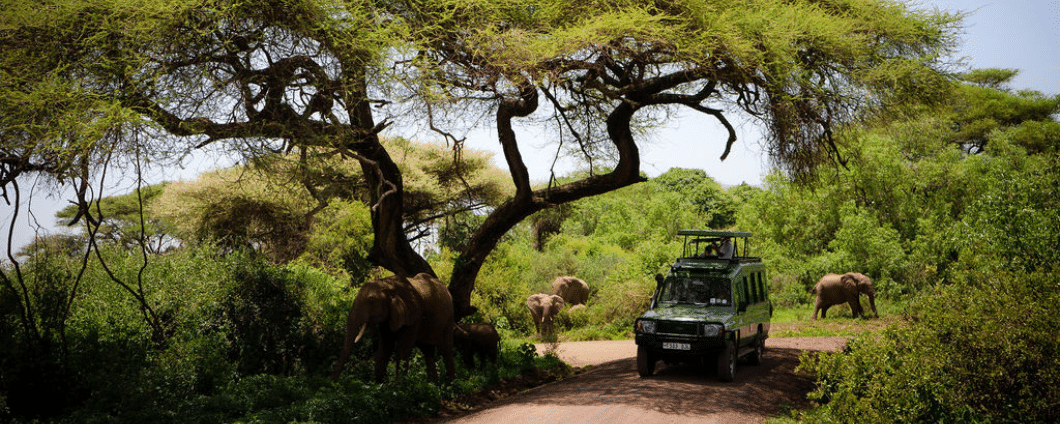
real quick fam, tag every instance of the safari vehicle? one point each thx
(708, 308)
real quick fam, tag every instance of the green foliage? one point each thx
(263, 310)
(239, 209)
(955, 208)
(127, 222)
(313, 206)
(340, 241)
(913, 206)
(702, 191)
(977, 351)
(615, 242)
(247, 341)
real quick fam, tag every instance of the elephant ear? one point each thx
(404, 310)
(557, 302)
(849, 282)
(865, 286)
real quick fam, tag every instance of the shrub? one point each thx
(979, 351)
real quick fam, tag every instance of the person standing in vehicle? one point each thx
(725, 251)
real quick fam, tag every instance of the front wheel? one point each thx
(755, 357)
(727, 362)
(645, 362)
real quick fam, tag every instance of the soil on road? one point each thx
(612, 392)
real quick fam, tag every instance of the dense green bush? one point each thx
(246, 341)
(968, 229)
(982, 350)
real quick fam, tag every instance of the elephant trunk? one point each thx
(872, 303)
(358, 319)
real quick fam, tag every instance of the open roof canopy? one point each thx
(713, 233)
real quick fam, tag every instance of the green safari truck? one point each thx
(712, 306)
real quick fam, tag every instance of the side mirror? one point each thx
(658, 285)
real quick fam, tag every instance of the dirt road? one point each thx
(612, 392)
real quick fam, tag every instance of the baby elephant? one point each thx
(473, 340)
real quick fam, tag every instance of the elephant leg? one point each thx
(824, 311)
(855, 308)
(491, 353)
(467, 356)
(428, 357)
(403, 351)
(382, 357)
(447, 358)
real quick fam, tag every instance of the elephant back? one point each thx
(437, 306)
(573, 290)
(828, 279)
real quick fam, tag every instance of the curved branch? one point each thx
(717, 114)
(509, 109)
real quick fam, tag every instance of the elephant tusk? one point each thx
(360, 333)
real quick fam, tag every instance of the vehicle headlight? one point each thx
(646, 327)
(711, 330)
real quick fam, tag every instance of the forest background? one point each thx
(230, 308)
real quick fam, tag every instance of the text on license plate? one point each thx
(676, 346)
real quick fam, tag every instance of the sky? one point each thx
(1016, 34)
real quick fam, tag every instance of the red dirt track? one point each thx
(612, 392)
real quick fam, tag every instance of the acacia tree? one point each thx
(279, 75)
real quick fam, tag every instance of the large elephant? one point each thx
(473, 340)
(835, 289)
(544, 307)
(405, 312)
(573, 290)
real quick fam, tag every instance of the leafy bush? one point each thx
(978, 351)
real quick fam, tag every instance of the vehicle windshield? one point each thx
(696, 290)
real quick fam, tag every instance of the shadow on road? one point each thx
(682, 389)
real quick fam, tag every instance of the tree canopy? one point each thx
(88, 84)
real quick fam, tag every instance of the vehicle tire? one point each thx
(727, 362)
(755, 357)
(645, 362)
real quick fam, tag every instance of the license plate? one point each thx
(676, 346)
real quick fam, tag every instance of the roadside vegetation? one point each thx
(224, 299)
(220, 324)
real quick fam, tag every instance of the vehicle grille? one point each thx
(671, 327)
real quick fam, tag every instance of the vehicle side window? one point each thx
(756, 296)
(762, 286)
(746, 293)
(756, 279)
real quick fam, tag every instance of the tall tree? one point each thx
(273, 75)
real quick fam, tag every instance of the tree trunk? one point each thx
(527, 202)
(391, 248)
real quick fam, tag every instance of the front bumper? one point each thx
(697, 345)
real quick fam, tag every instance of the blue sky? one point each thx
(1019, 34)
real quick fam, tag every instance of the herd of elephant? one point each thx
(417, 312)
(565, 291)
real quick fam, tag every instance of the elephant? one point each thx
(544, 307)
(835, 289)
(473, 340)
(573, 290)
(576, 309)
(404, 312)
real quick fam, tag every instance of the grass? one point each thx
(798, 321)
(794, 321)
